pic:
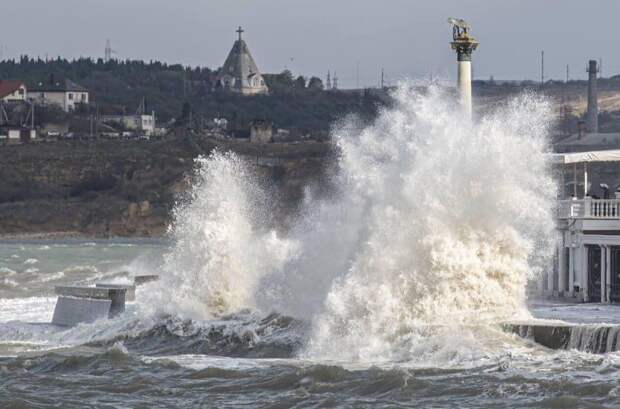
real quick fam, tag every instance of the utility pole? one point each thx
(382, 79)
(542, 69)
(97, 121)
(357, 76)
(567, 74)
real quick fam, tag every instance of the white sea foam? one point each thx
(33, 309)
(31, 261)
(7, 282)
(51, 277)
(5, 271)
(456, 217)
(221, 251)
(436, 225)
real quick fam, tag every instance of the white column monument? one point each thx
(464, 45)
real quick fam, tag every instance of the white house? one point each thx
(62, 92)
(588, 255)
(12, 90)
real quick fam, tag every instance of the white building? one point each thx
(588, 256)
(63, 92)
(12, 91)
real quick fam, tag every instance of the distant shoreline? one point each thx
(69, 235)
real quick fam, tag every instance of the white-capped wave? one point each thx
(435, 226)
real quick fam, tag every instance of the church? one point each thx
(240, 73)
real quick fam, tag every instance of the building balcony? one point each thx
(589, 208)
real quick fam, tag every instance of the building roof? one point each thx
(241, 65)
(611, 155)
(58, 85)
(7, 87)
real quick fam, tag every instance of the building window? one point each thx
(84, 97)
(21, 91)
(70, 96)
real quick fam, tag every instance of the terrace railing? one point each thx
(589, 209)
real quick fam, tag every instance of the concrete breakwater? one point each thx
(78, 304)
(595, 338)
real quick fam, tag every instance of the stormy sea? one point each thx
(388, 293)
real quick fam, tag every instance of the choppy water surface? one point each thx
(145, 359)
(388, 293)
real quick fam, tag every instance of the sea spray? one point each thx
(435, 226)
(222, 248)
(458, 217)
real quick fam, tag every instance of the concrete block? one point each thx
(590, 338)
(86, 304)
(551, 336)
(71, 311)
(143, 279)
(130, 290)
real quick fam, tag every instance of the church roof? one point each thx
(240, 64)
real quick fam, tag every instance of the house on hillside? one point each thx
(62, 92)
(240, 73)
(12, 91)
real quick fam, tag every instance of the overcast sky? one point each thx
(408, 38)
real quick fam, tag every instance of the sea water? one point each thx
(387, 293)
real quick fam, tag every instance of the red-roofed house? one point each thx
(12, 90)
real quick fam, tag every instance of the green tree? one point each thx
(316, 84)
(300, 83)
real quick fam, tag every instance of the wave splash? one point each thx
(222, 247)
(437, 223)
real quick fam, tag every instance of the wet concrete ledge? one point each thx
(79, 304)
(595, 338)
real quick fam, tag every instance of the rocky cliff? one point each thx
(128, 188)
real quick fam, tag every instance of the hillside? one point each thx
(119, 86)
(103, 189)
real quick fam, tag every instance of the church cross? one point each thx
(240, 31)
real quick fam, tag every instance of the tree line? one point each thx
(118, 86)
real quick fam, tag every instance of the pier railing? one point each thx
(589, 209)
